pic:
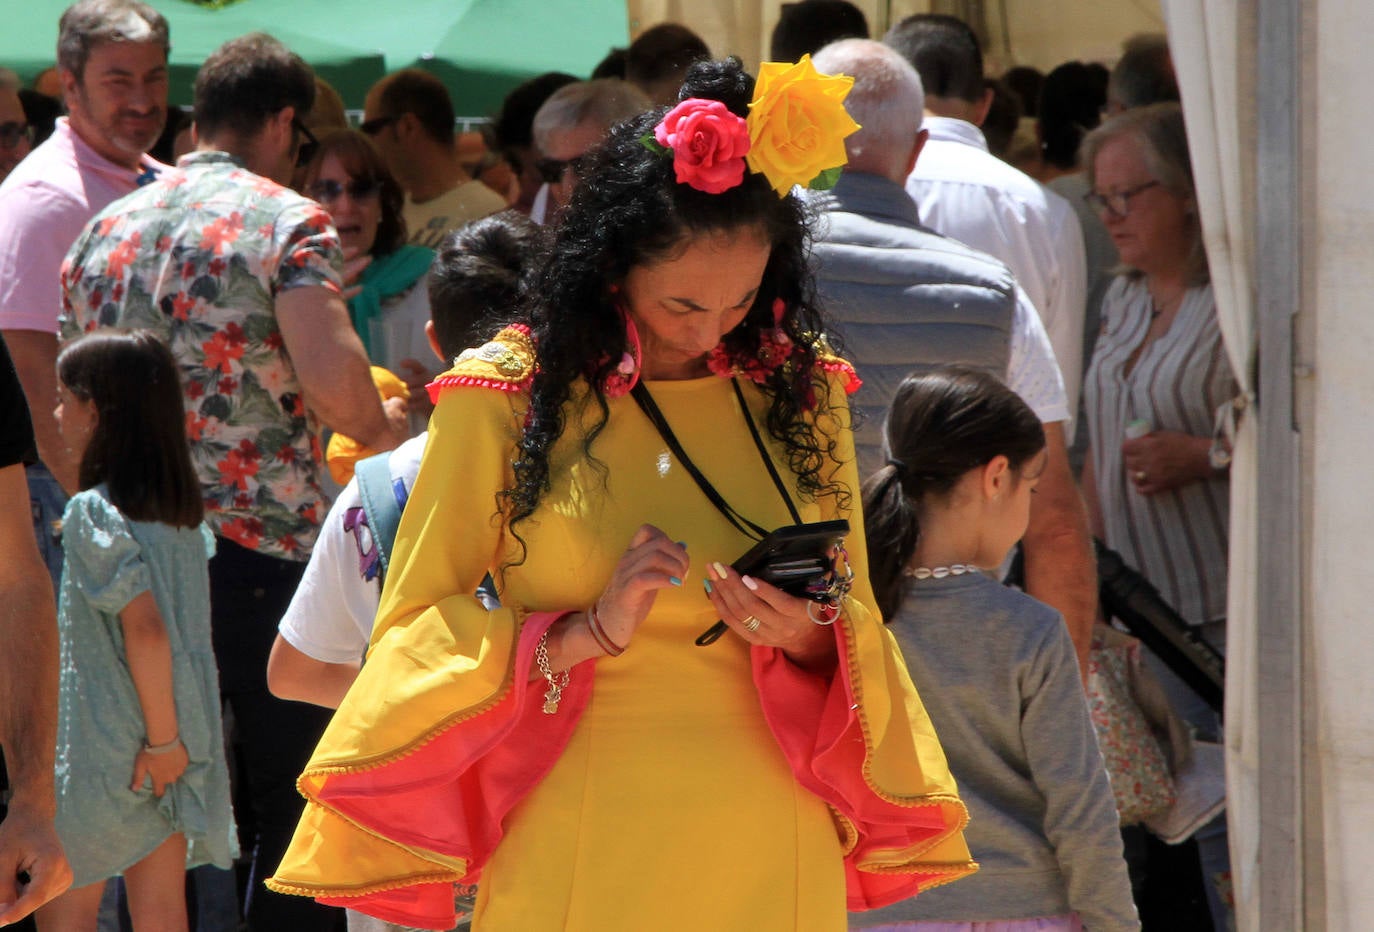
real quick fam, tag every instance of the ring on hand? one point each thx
(751, 624)
(1140, 476)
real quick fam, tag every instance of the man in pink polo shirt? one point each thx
(112, 59)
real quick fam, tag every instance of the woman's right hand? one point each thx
(164, 768)
(653, 561)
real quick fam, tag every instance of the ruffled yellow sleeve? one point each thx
(407, 788)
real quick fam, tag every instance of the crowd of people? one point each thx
(381, 477)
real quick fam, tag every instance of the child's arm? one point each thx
(149, 653)
(1081, 821)
(294, 674)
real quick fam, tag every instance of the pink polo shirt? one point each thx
(44, 204)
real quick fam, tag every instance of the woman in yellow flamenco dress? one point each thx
(574, 750)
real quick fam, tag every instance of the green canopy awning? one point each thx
(479, 48)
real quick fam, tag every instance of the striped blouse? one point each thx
(1176, 538)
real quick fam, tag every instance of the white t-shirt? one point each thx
(400, 332)
(1032, 369)
(965, 192)
(330, 616)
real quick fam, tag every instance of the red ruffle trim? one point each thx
(851, 377)
(814, 722)
(452, 794)
(437, 387)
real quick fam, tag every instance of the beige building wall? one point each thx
(1042, 33)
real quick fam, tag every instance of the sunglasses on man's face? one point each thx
(12, 133)
(551, 170)
(328, 190)
(375, 125)
(308, 143)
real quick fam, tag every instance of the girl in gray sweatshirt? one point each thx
(995, 668)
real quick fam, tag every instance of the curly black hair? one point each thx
(629, 210)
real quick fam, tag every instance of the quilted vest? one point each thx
(903, 298)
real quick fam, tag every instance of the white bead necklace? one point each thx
(939, 572)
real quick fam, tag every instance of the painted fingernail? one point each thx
(674, 580)
(707, 584)
(682, 544)
(720, 570)
(749, 582)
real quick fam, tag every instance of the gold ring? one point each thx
(751, 624)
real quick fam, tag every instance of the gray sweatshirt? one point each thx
(996, 671)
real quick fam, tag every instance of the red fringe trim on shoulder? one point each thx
(833, 365)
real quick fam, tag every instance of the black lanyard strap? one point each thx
(763, 454)
(646, 403)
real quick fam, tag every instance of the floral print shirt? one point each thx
(199, 256)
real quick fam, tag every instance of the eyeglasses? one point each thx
(551, 170)
(1119, 203)
(375, 125)
(327, 190)
(12, 133)
(308, 144)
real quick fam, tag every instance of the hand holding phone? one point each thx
(797, 558)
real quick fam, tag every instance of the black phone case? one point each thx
(791, 558)
(793, 555)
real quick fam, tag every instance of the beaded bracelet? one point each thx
(603, 640)
(556, 682)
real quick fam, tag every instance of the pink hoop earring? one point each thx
(626, 373)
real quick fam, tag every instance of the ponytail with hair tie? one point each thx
(945, 422)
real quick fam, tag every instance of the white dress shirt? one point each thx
(965, 192)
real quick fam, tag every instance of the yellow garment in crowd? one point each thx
(344, 453)
(672, 805)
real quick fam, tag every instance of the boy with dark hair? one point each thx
(474, 284)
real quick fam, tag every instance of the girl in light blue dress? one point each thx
(142, 786)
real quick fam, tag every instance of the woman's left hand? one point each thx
(765, 615)
(1163, 460)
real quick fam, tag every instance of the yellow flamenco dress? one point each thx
(676, 786)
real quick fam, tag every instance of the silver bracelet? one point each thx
(556, 681)
(167, 748)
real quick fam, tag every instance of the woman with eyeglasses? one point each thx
(1156, 481)
(389, 301)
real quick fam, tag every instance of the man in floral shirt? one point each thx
(241, 278)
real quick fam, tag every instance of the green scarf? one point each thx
(383, 278)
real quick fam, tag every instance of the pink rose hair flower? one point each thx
(708, 143)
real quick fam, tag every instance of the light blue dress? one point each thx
(105, 827)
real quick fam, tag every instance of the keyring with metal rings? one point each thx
(830, 612)
(751, 624)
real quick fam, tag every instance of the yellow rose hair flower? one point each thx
(798, 124)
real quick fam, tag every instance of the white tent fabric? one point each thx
(1210, 57)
